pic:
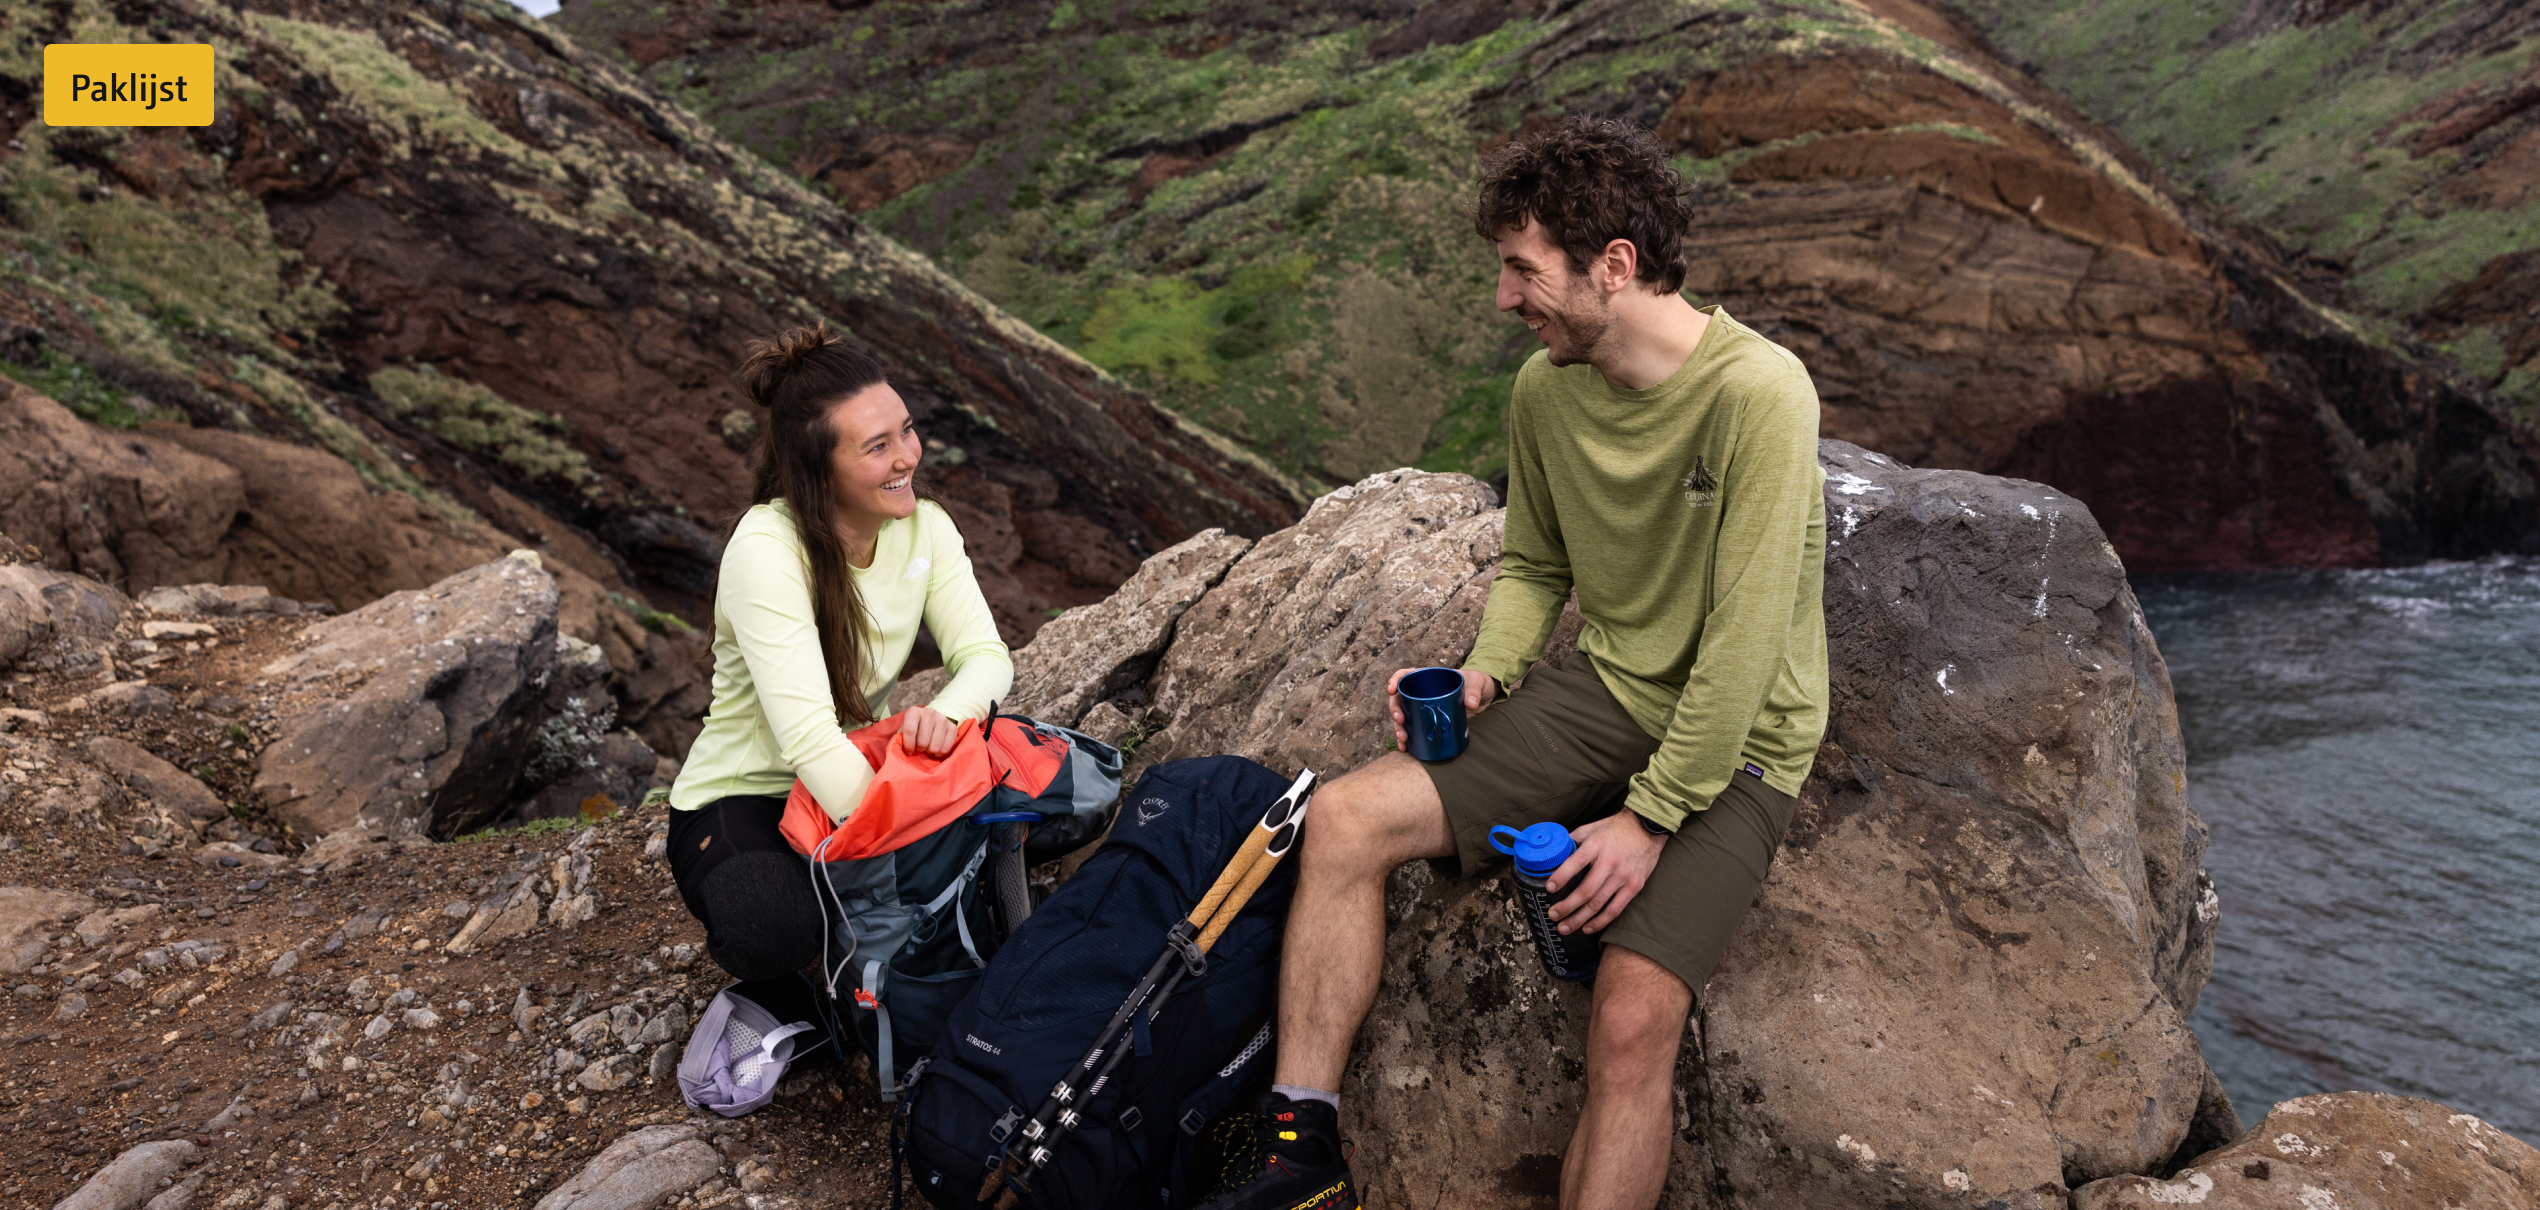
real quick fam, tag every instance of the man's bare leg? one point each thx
(1362, 826)
(1618, 1154)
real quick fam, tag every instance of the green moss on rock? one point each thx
(481, 422)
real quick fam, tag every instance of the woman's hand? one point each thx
(928, 730)
(1479, 692)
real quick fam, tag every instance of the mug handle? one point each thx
(1508, 846)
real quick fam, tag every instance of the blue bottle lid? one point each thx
(1539, 850)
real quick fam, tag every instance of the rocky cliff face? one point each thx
(2393, 150)
(485, 270)
(1259, 215)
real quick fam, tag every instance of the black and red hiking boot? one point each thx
(1304, 1162)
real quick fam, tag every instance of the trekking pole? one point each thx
(1189, 940)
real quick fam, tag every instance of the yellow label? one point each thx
(127, 85)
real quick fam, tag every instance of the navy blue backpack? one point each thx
(1059, 978)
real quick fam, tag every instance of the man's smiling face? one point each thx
(1563, 307)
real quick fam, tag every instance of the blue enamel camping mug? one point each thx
(1433, 713)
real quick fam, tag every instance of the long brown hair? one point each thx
(798, 377)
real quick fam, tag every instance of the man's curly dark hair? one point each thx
(1590, 181)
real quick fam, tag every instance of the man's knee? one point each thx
(1640, 1010)
(1375, 818)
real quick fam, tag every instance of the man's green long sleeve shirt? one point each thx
(1691, 519)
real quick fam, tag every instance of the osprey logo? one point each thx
(1702, 488)
(1146, 816)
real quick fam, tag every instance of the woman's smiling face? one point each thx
(875, 461)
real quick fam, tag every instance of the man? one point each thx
(1662, 462)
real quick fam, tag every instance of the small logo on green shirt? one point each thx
(1702, 488)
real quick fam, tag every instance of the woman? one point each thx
(823, 584)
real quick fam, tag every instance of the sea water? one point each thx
(2365, 746)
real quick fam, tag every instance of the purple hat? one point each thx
(736, 1055)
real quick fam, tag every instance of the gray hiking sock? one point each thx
(1299, 1092)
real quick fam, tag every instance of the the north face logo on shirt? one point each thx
(1702, 488)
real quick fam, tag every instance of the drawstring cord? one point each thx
(828, 973)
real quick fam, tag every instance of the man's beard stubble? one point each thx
(1580, 327)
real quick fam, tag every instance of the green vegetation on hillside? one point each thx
(478, 420)
(141, 245)
(1315, 290)
(1257, 216)
(1266, 229)
(2304, 130)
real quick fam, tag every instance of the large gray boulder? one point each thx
(52, 619)
(422, 713)
(1286, 660)
(1969, 975)
(2350, 1150)
(1092, 652)
(1966, 981)
(132, 1178)
(644, 1169)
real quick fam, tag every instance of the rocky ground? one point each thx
(369, 1020)
(310, 1031)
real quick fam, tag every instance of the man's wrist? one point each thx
(1652, 826)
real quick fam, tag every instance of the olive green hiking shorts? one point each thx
(1561, 748)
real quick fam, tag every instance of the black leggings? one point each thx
(753, 893)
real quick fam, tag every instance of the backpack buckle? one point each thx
(864, 998)
(1193, 1122)
(909, 1082)
(1130, 1117)
(1005, 1125)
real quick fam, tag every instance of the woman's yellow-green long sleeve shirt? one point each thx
(773, 719)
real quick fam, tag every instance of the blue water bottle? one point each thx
(1539, 851)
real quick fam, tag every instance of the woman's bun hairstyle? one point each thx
(807, 365)
(799, 376)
